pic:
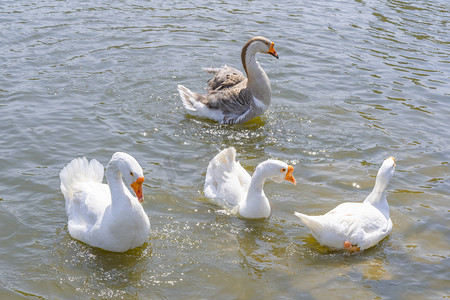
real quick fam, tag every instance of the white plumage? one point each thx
(356, 226)
(106, 216)
(227, 180)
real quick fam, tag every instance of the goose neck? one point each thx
(257, 81)
(377, 198)
(252, 67)
(256, 204)
(258, 180)
(115, 183)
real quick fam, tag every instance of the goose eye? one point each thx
(283, 170)
(131, 173)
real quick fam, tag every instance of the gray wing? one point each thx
(224, 78)
(228, 92)
(236, 103)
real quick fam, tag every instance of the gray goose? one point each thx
(232, 98)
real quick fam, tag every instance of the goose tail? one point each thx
(188, 97)
(220, 164)
(310, 221)
(79, 170)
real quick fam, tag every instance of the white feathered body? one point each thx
(360, 223)
(91, 217)
(356, 226)
(226, 178)
(228, 181)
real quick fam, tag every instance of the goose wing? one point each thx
(224, 78)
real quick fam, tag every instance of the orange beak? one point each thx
(137, 188)
(272, 51)
(289, 176)
(394, 161)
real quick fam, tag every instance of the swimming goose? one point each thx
(356, 226)
(227, 180)
(106, 216)
(232, 98)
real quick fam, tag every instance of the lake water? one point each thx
(356, 82)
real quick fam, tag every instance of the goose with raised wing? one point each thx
(228, 181)
(233, 98)
(106, 216)
(356, 226)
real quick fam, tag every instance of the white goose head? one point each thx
(276, 170)
(130, 170)
(385, 173)
(255, 45)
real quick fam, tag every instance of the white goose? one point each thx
(231, 97)
(356, 226)
(106, 216)
(227, 180)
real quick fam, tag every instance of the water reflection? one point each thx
(97, 272)
(263, 246)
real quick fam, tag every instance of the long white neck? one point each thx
(257, 81)
(378, 197)
(256, 204)
(116, 186)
